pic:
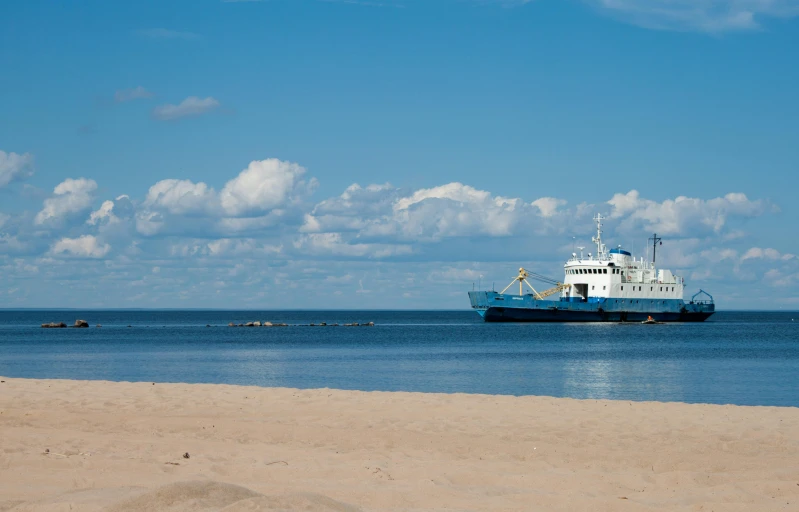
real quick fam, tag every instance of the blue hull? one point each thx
(495, 307)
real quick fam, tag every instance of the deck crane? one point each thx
(522, 279)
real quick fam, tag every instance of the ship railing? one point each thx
(708, 300)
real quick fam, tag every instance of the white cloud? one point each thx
(683, 216)
(266, 194)
(112, 217)
(105, 212)
(380, 212)
(455, 191)
(86, 246)
(548, 206)
(181, 197)
(333, 244)
(191, 106)
(698, 15)
(264, 185)
(353, 210)
(766, 254)
(14, 167)
(257, 229)
(70, 197)
(136, 93)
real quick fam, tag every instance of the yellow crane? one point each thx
(522, 279)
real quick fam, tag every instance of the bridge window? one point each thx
(604, 271)
(622, 288)
(604, 287)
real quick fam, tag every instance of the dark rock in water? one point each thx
(53, 325)
(323, 324)
(208, 325)
(98, 325)
(249, 324)
(231, 324)
(369, 324)
(81, 323)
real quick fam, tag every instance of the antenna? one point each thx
(598, 238)
(655, 241)
(581, 252)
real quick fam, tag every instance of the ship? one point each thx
(609, 286)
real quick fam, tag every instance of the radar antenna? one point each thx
(598, 238)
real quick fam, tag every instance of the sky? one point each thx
(391, 154)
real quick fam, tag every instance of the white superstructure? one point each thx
(616, 274)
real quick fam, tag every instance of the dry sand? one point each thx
(120, 446)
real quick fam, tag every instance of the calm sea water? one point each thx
(747, 358)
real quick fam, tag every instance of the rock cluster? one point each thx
(257, 324)
(61, 325)
(322, 324)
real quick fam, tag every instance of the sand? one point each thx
(85, 446)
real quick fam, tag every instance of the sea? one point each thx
(736, 357)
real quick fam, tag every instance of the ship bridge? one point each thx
(617, 274)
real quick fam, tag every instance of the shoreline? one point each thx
(115, 444)
(395, 392)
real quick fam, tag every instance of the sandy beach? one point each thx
(75, 445)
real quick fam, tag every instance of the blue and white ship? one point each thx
(609, 286)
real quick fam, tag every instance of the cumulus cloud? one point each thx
(190, 107)
(69, 197)
(698, 15)
(548, 206)
(353, 210)
(260, 223)
(181, 197)
(86, 246)
(426, 215)
(112, 213)
(14, 167)
(682, 215)
(106, 212)
(266, 194)
(136, 93)
(263, 186)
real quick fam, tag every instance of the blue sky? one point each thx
(386, 154)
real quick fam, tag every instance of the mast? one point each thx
(598, 239)
(655, 241)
